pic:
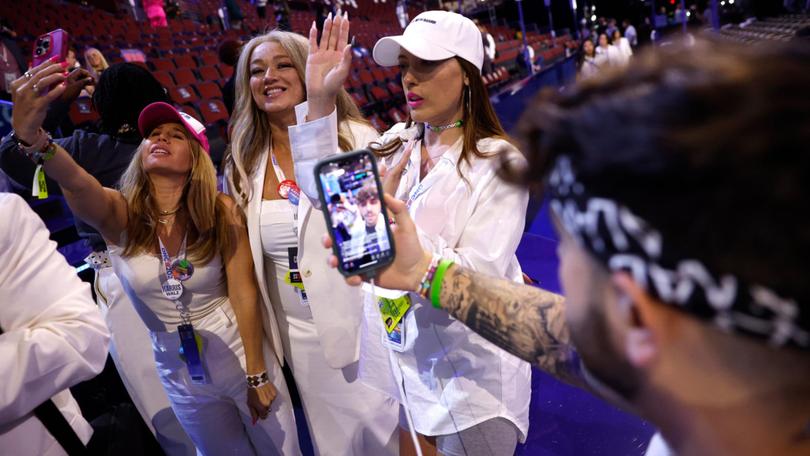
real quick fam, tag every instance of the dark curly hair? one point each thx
(122, 91)
(708, 143)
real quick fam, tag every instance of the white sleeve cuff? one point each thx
(315, 139)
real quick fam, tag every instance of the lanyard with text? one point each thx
(289, 190)
(191, 343)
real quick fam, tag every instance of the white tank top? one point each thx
(278, 232)
(142, 275)
(278, 236)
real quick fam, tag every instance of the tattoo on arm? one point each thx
(523, 320)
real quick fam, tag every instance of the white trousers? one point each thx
(345, 417)
(215, 415)
(131, 351)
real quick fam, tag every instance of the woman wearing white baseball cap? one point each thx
(181, 251)
(464, 395)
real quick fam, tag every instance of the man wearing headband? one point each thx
(681, 207)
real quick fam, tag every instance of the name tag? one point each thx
(393, 313)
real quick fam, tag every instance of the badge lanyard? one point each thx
(289, 190)
(190, 342)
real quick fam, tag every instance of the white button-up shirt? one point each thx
(452, 378)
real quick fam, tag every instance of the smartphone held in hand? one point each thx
(352, 202)
(50, 45)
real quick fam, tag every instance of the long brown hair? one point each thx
(480, 120)
(249, 125)
(208, 228)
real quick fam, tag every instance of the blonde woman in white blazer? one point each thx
(464, 395)
(313, 316)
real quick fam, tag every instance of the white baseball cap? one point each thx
(434, 35)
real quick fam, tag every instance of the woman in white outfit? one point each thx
(623, 45)
(588, 66)
(465, 395)
(180, 250)
(315, 316)
(606, 53)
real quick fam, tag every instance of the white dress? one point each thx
(344, 415)
(215, 415)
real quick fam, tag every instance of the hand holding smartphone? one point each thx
(49, 45)
(352, 202)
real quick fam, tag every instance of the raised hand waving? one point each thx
(328, 64)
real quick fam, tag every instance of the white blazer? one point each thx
(336, 307)
(54, 335)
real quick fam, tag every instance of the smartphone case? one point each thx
(325, 209)
(49, 45)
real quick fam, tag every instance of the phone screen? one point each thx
(355, 213)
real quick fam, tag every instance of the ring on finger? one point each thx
(36, 89)
(28, 75)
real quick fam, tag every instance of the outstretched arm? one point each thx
(521, 319)
(103, 208)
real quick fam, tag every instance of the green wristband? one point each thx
(436, 284)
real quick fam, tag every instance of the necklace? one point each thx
(440, 128)
(166, 214)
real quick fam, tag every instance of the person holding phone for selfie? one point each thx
(180, 251)
(467, 396)
(313, 317)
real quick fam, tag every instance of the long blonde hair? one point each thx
(95, 71)
(208, 232)
(249, 125)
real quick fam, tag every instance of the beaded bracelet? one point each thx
(258, 380)
(424, 284)
(40, 150)
(436, 284)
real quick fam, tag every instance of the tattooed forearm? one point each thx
(523, 320)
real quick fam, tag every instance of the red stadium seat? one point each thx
(378, 123)
(359, 99)
(394, 88)
(165, 78)
(82, 111)
(192, 111)
(379, 93)
(365, 77)
(378, 74)
(212, 111)
(208, 59)
(185, 61)
(183, 94)
(209, 73)
(184, 76)
(396, 115)
(225, 70)
(163, 65)
(209, 90)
